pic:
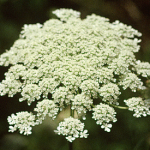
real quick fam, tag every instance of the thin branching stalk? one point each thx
(72, 115)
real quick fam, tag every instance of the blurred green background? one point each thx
(128, 133)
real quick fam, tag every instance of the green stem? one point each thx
(72, 115)
(120, 107)
(71, 111)
(116, 106)
(70, 146)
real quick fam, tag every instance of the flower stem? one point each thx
(72, 115)
(116, 106)
(120, 107)
(70, 146)
(71, 111)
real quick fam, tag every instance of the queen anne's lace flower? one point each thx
(30, 76)
(65, 14)
(16, 71)
(46, 107)
(72, 129)
(48, 85)
(73, 62)
(139, 107)
(62, 96)
(10, 86)
(130, 80)
(81, 103)
(23, 121)
(143, 68)
(30, 93)
(90, 87)
(104, 114)
(110, 93)
(121, 64)
(72, 82)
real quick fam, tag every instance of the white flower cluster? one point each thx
(46, 107)
(16, 71)
(90, 87)
(82, 63)
(71, 128)
(30, 76)
(143, 68)
(104, 114)
(30, 92)
(126, 31)
(62, 96)
(138, 105)
(48, 85)
(121, 64)
(110, 93)
(65, 14)
(81, 103)
(22, 121)
(72, 82)
(130, 80)
(10, 86)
